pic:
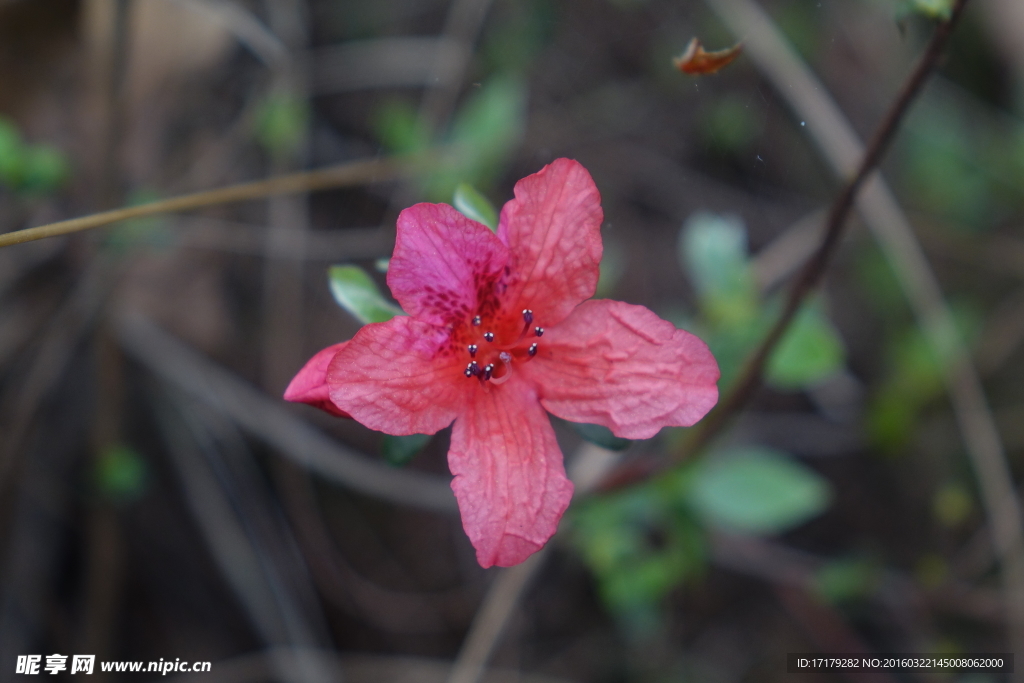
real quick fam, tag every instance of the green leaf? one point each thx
(357, 293)
(600, 435)
(121, 474)
(475, 206)
(757, 490)
(808, 352)
(399, 450)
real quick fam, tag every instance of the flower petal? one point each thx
(399, 377)
(310, 384)
(509, 478)
(445, 266)
(553, 229)
(621, 366)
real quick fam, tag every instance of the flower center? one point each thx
(493, 354)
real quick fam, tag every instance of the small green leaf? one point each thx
(808, 352)
(357, 293)
(475, 206)
(757, 490)
(600, 435)
(399, 450)
(121, 474)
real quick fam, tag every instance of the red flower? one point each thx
(500, 330)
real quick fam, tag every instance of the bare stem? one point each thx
(341, 175)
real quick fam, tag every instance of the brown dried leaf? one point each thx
(697, 62)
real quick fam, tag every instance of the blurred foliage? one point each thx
(801, 23)
(912, 379)
(643, 543)
(713, 251)
(600, 435)
(398, 451)
(517, 35)
(940, 10)
(730, 125)
(485, 132)
(30, 170)
(153, 232)
(473, 205)
(756, 490)
(931, 571)
(120, 474)
(281, 124)
(952, 504)
(845, 580)
(640, 544)
(355, 291)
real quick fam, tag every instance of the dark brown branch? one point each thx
(814, 269)
(810, 275)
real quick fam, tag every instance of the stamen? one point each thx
(505, 358)
(533, 349)
(477, 321)
(472, 369)
(528, 315)
(539, 331)
(472, 350)
(489, 336)
(488, 369)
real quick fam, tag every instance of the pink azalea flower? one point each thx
(499, 331)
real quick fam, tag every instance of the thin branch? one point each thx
(341, 175)
(811, 274)
(839, 144)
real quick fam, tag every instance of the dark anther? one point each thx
(477, 321)
(528, 316)
(472, 369)
(533, 349)
(472, 350)
(488, 369)
(468, 372)
(539, 331)
(489, 336)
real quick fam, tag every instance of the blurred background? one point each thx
(158, 500)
